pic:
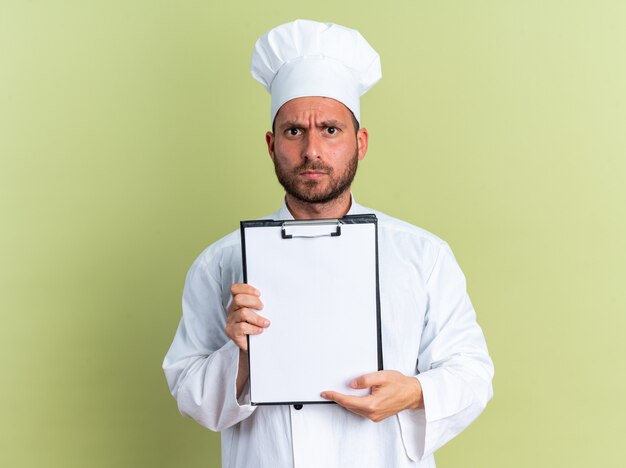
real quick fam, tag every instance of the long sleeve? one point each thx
(454, 367)
(201, 365)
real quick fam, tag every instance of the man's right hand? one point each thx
(242, 319)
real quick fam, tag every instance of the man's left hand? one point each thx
(390, 393)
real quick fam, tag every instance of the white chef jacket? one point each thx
(429, 330)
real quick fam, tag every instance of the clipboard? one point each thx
(319, 284)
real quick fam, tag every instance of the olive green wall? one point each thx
(131, 136)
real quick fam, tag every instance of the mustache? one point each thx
(313, 166)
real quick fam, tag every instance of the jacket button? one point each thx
(298, 407)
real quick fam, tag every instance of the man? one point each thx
(437, 376)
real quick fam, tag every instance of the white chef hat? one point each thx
(307, 58)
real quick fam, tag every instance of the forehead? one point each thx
(318, 107)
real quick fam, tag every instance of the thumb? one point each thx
(365, 381)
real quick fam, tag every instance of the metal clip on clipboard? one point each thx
(311, 228)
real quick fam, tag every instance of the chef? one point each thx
(438, 373)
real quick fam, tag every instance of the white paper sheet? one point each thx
(320, 296)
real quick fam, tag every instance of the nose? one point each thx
(312, 147)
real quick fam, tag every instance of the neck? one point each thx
(336, 208)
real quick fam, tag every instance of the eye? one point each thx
(293, 131)
(332, 130)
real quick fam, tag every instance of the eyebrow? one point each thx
(324, 124)
(333, 123)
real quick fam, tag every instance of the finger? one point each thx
(368, 380)
(245, 300)
(250, 316)
(347, 401)
(330, 395)
(242, 342)
(244, 288)
(243, 328)
(238, 332)
(246, 315)
(357, 404)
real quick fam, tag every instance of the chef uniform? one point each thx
(429, 327)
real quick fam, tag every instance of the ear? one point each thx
(362, 139)
(269, 139)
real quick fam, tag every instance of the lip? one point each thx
(312, 174)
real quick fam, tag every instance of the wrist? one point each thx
(417, 397)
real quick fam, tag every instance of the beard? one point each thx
(316, 191)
